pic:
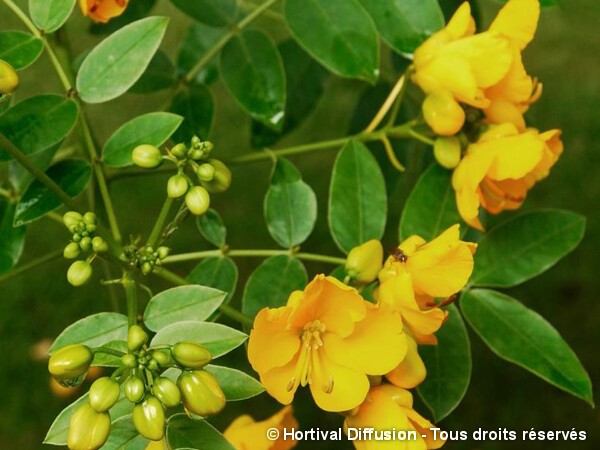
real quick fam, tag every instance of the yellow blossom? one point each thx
(102, 10)
(498, 170)
(244, 433)
(389, 407)
(327, 337)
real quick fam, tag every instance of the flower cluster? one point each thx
(359, 357)
(477, 90)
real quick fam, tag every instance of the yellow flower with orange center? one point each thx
(389, 407)
(498, 170)
(244, 433)
(102, 10)
(329, 338)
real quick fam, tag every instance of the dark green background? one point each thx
(565, 56)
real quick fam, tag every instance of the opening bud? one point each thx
(149, 419)
(365, 261)
(134, 389)
(9, 79)
(191, 355)
(146, 156)
(71, 251)
(79, 273)
(221, 179)
(88, 428)
(201, 393)
(447, 151)
(443, 113)
(70, 364)
(197, 200)
(177, 186)
(167, 392)
(136, 338)
(104, 393)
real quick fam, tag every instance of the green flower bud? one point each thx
(72, 219)
(136, 338)
(177, 186)
(88, 428)
(9, 79)
(134, 389)
(167, 392)
(191, 355)
(146, 156)
(365, 261)
(76, 237)
(222, 178)
(149, 419)
(129, 360)
(196, 143)
(99, 245)
(197, 154)
(85, 244)
(69, 365)
(91, 227)
(163, 252)
(152, 365)
(163, 358)
(71, 251)
(206, 172)
(197, 200)
(147, 268)
(79, 273)
(90, 218)
(104, 393)
(179, 151)
(447, 151)
(201, 393)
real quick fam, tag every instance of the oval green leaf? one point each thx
(357, 199)
(113, 66)
(253, 73)
(180, 304)
(50, 15)
(72, 175)
(523, 337)
(219, 272)
(12, 239)
(211, 227)
(448, 367)
(290, 206)
(196, 106)
(159, 75)
(124, 435)
(93, 331)
(430, 207)
(199, 40)
(526, 246)
(215, 13)
(152, 129)
(339, 34)
(19, 49)
(184, 433)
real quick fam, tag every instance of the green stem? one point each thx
(321, 258)
(253, 254)
(33, 264)
(160, 222)
(132, 299)
(421, 137)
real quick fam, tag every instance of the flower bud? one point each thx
(134, 389)
(149, 419)
(201, 393)
(191, 355)
(222, 177)
(79, 273)
(85, 244)
(90, 218)
(162, 358)
(129, 360)
(104, 393)
(147, 268)
(177, 186)
(447, 151)
(197, 154)
(167, 392)
(197, 200)
(163, 252)
(136, 338)
(71, 251)
(179, 151)
(71, 219)
(146, 156)
(99, 245)
(196, 143)
(443, 113)
(88, 428)
(365, 261)
(69, 365)
(206, 172)
(9, 79)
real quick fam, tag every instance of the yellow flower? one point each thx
(102, 10)
(389, 407)
(327, 337)
(364, 262)
(499, 169)
(411, 372)
(244, 433)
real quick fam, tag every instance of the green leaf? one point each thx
(358, 200)
(72, 175)
(12, 239)
(37, 123)
(20, 177)
(50, 15)
(19, 49)
(340, 34)
(219, 272)
(526, 246)
(124, 436)
(94, 331)
(159, 75)
(113, 66)
(253, 73)
(448, 367)
(271, 284)
(215, 13)
(405, 24)
(290, 206)
(212, 228)
(185, 433)
(523, 337)
(152, 128)
(198, 40)
(196, 105)
(106, 360)
(430, 208)
(180, 304)
(218, 339)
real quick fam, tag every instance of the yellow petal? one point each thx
(411, 371)
(517, 20)
(423, 427)
(461, 22)
(515, 156)
(103, 10)
(245, 433)
(279, 382)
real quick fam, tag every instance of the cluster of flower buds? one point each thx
(83, 240)
(146, 258)
(9, 80)
(213, 175)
